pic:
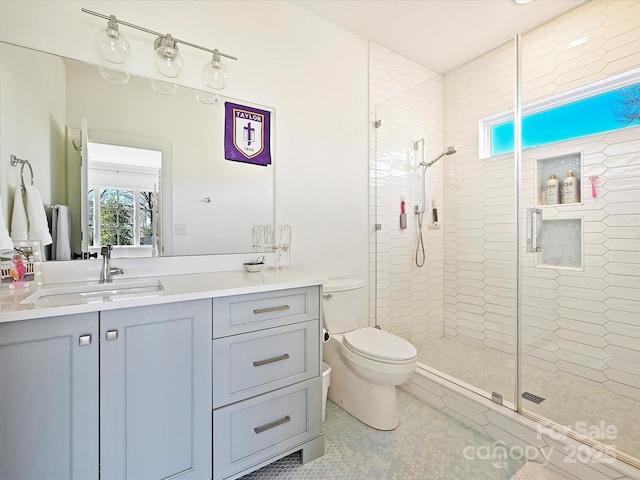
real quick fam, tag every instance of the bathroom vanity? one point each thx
(210, 375)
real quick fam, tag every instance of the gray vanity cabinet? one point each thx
(49, 398)
(211, 388)
(155, 392)
(267, 396)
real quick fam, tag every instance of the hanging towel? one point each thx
(19, 223)
(38, 227)
(5, 241)
(61, 233)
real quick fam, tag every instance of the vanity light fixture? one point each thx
(215, 73)
(111, 45)
(168, 58)
(114, 48)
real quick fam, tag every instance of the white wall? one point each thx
(313, 73)
(34, 94)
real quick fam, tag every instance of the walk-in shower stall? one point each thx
(529, 292)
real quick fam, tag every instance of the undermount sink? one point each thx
(121, 290)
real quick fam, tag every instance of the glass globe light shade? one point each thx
(207, 98)
(163, 88)
(113, 76)
(111, 44)
(215, 73)
(168, 58)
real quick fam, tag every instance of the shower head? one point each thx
(449, 151)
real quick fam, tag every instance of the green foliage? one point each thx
(116, 217)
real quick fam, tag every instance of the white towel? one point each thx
(61, 233)
(19, 223)
(38, 227)
(5, 241)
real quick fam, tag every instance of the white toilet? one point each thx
(366, 363)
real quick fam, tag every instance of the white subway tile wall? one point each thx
(569, 315)
(407, 99)
(582, 321)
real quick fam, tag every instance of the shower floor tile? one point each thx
(428, 445)
(569, 399)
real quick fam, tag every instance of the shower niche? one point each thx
(561, 236)
(563, 167)
(561, 241)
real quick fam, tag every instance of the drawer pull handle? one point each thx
(271, 425)
(271, 309)
(270, 360)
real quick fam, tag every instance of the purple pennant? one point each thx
(247, 134)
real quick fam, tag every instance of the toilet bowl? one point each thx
(366, 363)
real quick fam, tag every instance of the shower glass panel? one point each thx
(459, 307)
(581, 291)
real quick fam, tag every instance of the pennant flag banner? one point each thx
(247, 134)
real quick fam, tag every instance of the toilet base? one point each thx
(380, 410)
(374, 405)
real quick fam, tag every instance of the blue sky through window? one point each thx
(601, 113)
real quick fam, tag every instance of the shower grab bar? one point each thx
(534, 230)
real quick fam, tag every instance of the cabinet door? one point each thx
(155, 392)
(49, 398)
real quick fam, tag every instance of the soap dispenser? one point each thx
(570, 189)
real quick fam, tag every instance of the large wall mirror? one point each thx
(148, 175)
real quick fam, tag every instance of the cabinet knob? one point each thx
(112, 334)
(84, 340)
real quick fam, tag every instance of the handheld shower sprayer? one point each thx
(420, 209)
(449, 151)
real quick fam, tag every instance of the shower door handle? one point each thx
(534, 230)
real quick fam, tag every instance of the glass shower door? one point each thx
(447, 282)
(581, 285)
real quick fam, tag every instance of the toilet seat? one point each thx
(380, 346)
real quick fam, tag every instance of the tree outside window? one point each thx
(122, 217)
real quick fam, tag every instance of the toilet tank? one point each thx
(344, 304)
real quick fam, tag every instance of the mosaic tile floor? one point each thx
(428, 445)
(568, 399)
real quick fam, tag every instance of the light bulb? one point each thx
(215, 73)
(111, 44)
(168, 58)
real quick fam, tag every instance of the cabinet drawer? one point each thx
(248, 432)
(254, 363)
(245, 313)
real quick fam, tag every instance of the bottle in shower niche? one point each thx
(570, 189)
(553, 190)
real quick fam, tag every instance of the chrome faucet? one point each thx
(107, 270)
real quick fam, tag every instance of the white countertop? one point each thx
(177, 288)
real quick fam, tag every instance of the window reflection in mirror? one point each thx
(124, 199)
